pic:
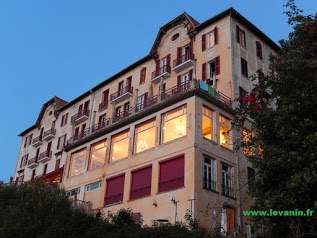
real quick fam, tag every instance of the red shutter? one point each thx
(203, 72)
(238, 33)
(171, 174)
(141, 183)
(191, 49)
(217, 64)
(203, 42)
(86, 105)
(145, 98)
(80, 108)
(179, 80)
(168, 63)
(190, 74)
(129, 81)
(157, 66)
(142, 75)
(164, 87)
(115, 188)
(216, 35)
(179, 55)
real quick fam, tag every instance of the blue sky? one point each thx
(65, 47)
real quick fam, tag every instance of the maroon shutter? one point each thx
(203, 72)
(45, 169)
(238, 33)
(53, 124)
(203, 42)
(114, 192)
(190, 74)
(191, 49)
(171, 174)
(80, 108)
(164, 87)
(145, 98)
(217, 63)
(179, 80)
(179, 55)
(168, 63)
(141, 183)
(216, 35)
(58, 142)
(129, 81)
(157, 67)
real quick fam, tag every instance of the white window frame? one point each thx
(90, 187)
(209, 171)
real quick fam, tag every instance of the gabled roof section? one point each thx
(192, 24)
(56, 101)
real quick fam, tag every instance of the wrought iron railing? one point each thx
(160, 71)
(127, 89)
(183, 59)
(84, 112)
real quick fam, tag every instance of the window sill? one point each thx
(212, 141)
(173, 189)
(114, 162)
(225, 148)
(171, 141)
(113, 204)
(210, 190)
(137, 153)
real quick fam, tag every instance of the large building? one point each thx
(156, 137)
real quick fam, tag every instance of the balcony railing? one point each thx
(114, 199)
(101, 125)
(80, 116)
(226, 190)
(80, 204)
(49, 134)
(223, 98)
(209, 184)
(149, 102)
(183, 62)
(122, 94)
(103, 105)
(45, 156)
(122, 115)
(80, 135)
(175, 90)
(32, 163)
(141, 192)
(164, 71)
(37, 141)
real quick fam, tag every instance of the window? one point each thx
(141, 183)
(64, 119)
(247, 150)
(258, 49)
(224, 136)
(105, 95)
(61, 142)
(33, 174)
(120, 146)
(24, 160)
(114, 191)
(142, 75)
(209, 179)
(98, 155)
(244, 67)
(207, 123)
(118, 111)
(28, 140)
(145, 135)
(241, 36)
(45, 169)
(73, 192)
(171, 174)
(77, 163)
(210, 39)
(226, 179)
(93, 186)
(227, 220)
(210, 69)
(174, 124)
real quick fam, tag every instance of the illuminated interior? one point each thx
(98, 155)
(120, 146)
(145, 135)
(78, 162)
(224, 131)
(207, 123)
(246, 139)
(174, 124)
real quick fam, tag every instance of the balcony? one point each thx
(32, 163)
(80, 116)
(149, 102)
(164, 72)
(37, 141)
(183, 62)
(121, 95)
(100, 125)
(121, 116)
(175, 90)
(80, 135)
(45, 156)
(49, 134)
(103, 105)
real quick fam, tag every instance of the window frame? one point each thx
(226, 180)
(226, 144)
(212, 122)
(24, 160)
(104, 142)
(114, 142)
(210, 174)
(244, 67)
(72, 159)
(136, 132)
(88, 186)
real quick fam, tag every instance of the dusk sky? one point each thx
(65, 47)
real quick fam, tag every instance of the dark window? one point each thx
(241, 36)
(114, 191)
(64, 119)
(244, 67)
(258, 49)
(141, 183)
(171, 174)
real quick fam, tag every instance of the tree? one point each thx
(282, 111)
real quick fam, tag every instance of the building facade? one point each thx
(156, 137)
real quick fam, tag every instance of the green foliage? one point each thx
(286, 129)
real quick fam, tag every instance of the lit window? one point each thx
(174, 124)
(120, 146)
(77, 163)
(209, 178)
(226, 179)
(224, 131)
(145, 135)
(246, 139)
(98, 155)
(207, 123)
(93, 186)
